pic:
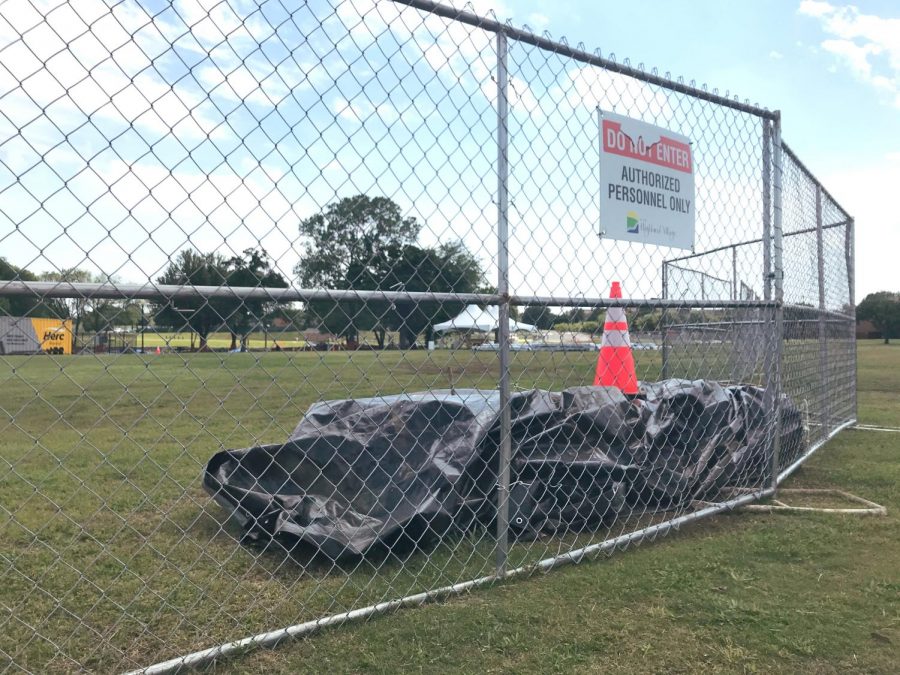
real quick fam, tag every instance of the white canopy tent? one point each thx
(485, 320)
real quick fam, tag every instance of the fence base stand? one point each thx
(871, 508)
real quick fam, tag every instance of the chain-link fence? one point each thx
(322, 288)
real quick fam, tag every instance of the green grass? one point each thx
(186, 340)
(116, 558)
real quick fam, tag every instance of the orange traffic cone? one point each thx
(158, 350)
(615, 365)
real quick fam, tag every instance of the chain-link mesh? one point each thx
(819, 352)
(220, 218)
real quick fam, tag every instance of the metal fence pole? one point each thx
(850, 256)
(737, 347)
(767, 209)
(768, 316)
(503, 291)
(777, 277)
(663, 323)
(824, 400)
(734, 273)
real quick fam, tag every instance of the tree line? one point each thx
(883, 310)
(87, 315)
(357, 243)
(189, 267)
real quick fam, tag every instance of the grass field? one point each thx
(100, 461)
(186, 340)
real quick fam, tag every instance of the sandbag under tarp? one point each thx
(364, 473)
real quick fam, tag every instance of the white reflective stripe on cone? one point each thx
(615, 314)
(616, 338)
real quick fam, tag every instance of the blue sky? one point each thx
(783, 54)
(131, 132)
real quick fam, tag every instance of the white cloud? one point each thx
(256, 81)
(868, 44)
(131, 219)
(104, 71)
(141, 210)
(815, 8)
(774, 54)
(538, 20)
(590, 87)
(854, 55)
(360, 110)
(519, 96)
(455, 51)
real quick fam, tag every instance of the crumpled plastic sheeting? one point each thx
(368, 473)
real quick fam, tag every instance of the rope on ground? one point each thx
(870, 427)
(870, 508)
(776, 505)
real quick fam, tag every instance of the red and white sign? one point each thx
(647, 183)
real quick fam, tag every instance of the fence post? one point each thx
(777, 276)
(664, 323)
(734, 274)
(503, 291)
(767, 210)
(737, 347)
(849, 255)
(823, 335)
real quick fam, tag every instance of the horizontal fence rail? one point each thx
(53, 289)
(562, 49)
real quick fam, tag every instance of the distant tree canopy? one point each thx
(365, 243)
(204, 315)
(24, 305)
(883, 310)
(87, 315)
(253, 269)
(240, 317)
(541, 317)
(446, 268)
(104, 314)
(76, 308)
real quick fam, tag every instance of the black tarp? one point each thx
(366, 473)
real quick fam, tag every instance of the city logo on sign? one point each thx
(632, 224)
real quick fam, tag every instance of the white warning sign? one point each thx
(647, 183)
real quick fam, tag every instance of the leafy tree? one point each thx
(646, 322)
(541, 317)
(202, 315)
(579, 326)
(253, 269)
(76, 308)
(289, 315)
(572, 315)
(348, 235)
(22, 305)
(448, 268)
(883, 310)
(344, 246)
(104, 314)
(365, 243)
